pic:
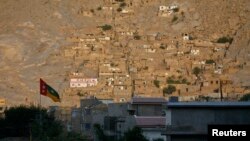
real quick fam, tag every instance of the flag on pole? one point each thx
(48, 91)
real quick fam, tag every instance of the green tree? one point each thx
(106, 27)
(24, 121)
(119, 9)
(46, 127)
(176, 9)
(196, 71)
(210, 61)
(225, 40)
(157, 83)
(99, 8)
(134, 135)
(245, 97)
(137, 37)
(100, 133)
(123, 4)
(169, 90)
(170, 80)
(18, 120)
(175, 18)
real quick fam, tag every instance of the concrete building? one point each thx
(148, 106)
(188, 121)
(152, 126)
(118, 120)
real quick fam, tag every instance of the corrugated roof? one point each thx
(208, 104)
(156, 121)
(148, 100)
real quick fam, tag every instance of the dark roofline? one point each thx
(148, 103)
(148, 100)
(151, 126)
(208, 105)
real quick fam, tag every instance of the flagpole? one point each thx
(40, 102)
(40, 108)
(39, 92)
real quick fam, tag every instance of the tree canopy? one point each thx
(35, 122)
(196, 71)
(134, 135)
(169, 90)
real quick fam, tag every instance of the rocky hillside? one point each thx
(32, 33)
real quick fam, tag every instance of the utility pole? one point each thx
(221, 94)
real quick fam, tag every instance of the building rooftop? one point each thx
(148, 100)
(148, 121)
(208, 104)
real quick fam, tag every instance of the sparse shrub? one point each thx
(137, 37)
(210, 61)
(176, 9)
(196, 71)
(179, 80)
(113, 65)
(182, 13)
(123, 4)
(175, 18)
(225, 40)
(119, 9)
(170, 80)
(178, 71)
(99, 8)
(79, 94)
(169, 90)
(163, 46)
(106, 27)
(184, 81)
(157, 83)
(92, 10)
(119, 0)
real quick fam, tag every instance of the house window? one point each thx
(87, 126)
(186, 89)
(217, 82)
(211, 82)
